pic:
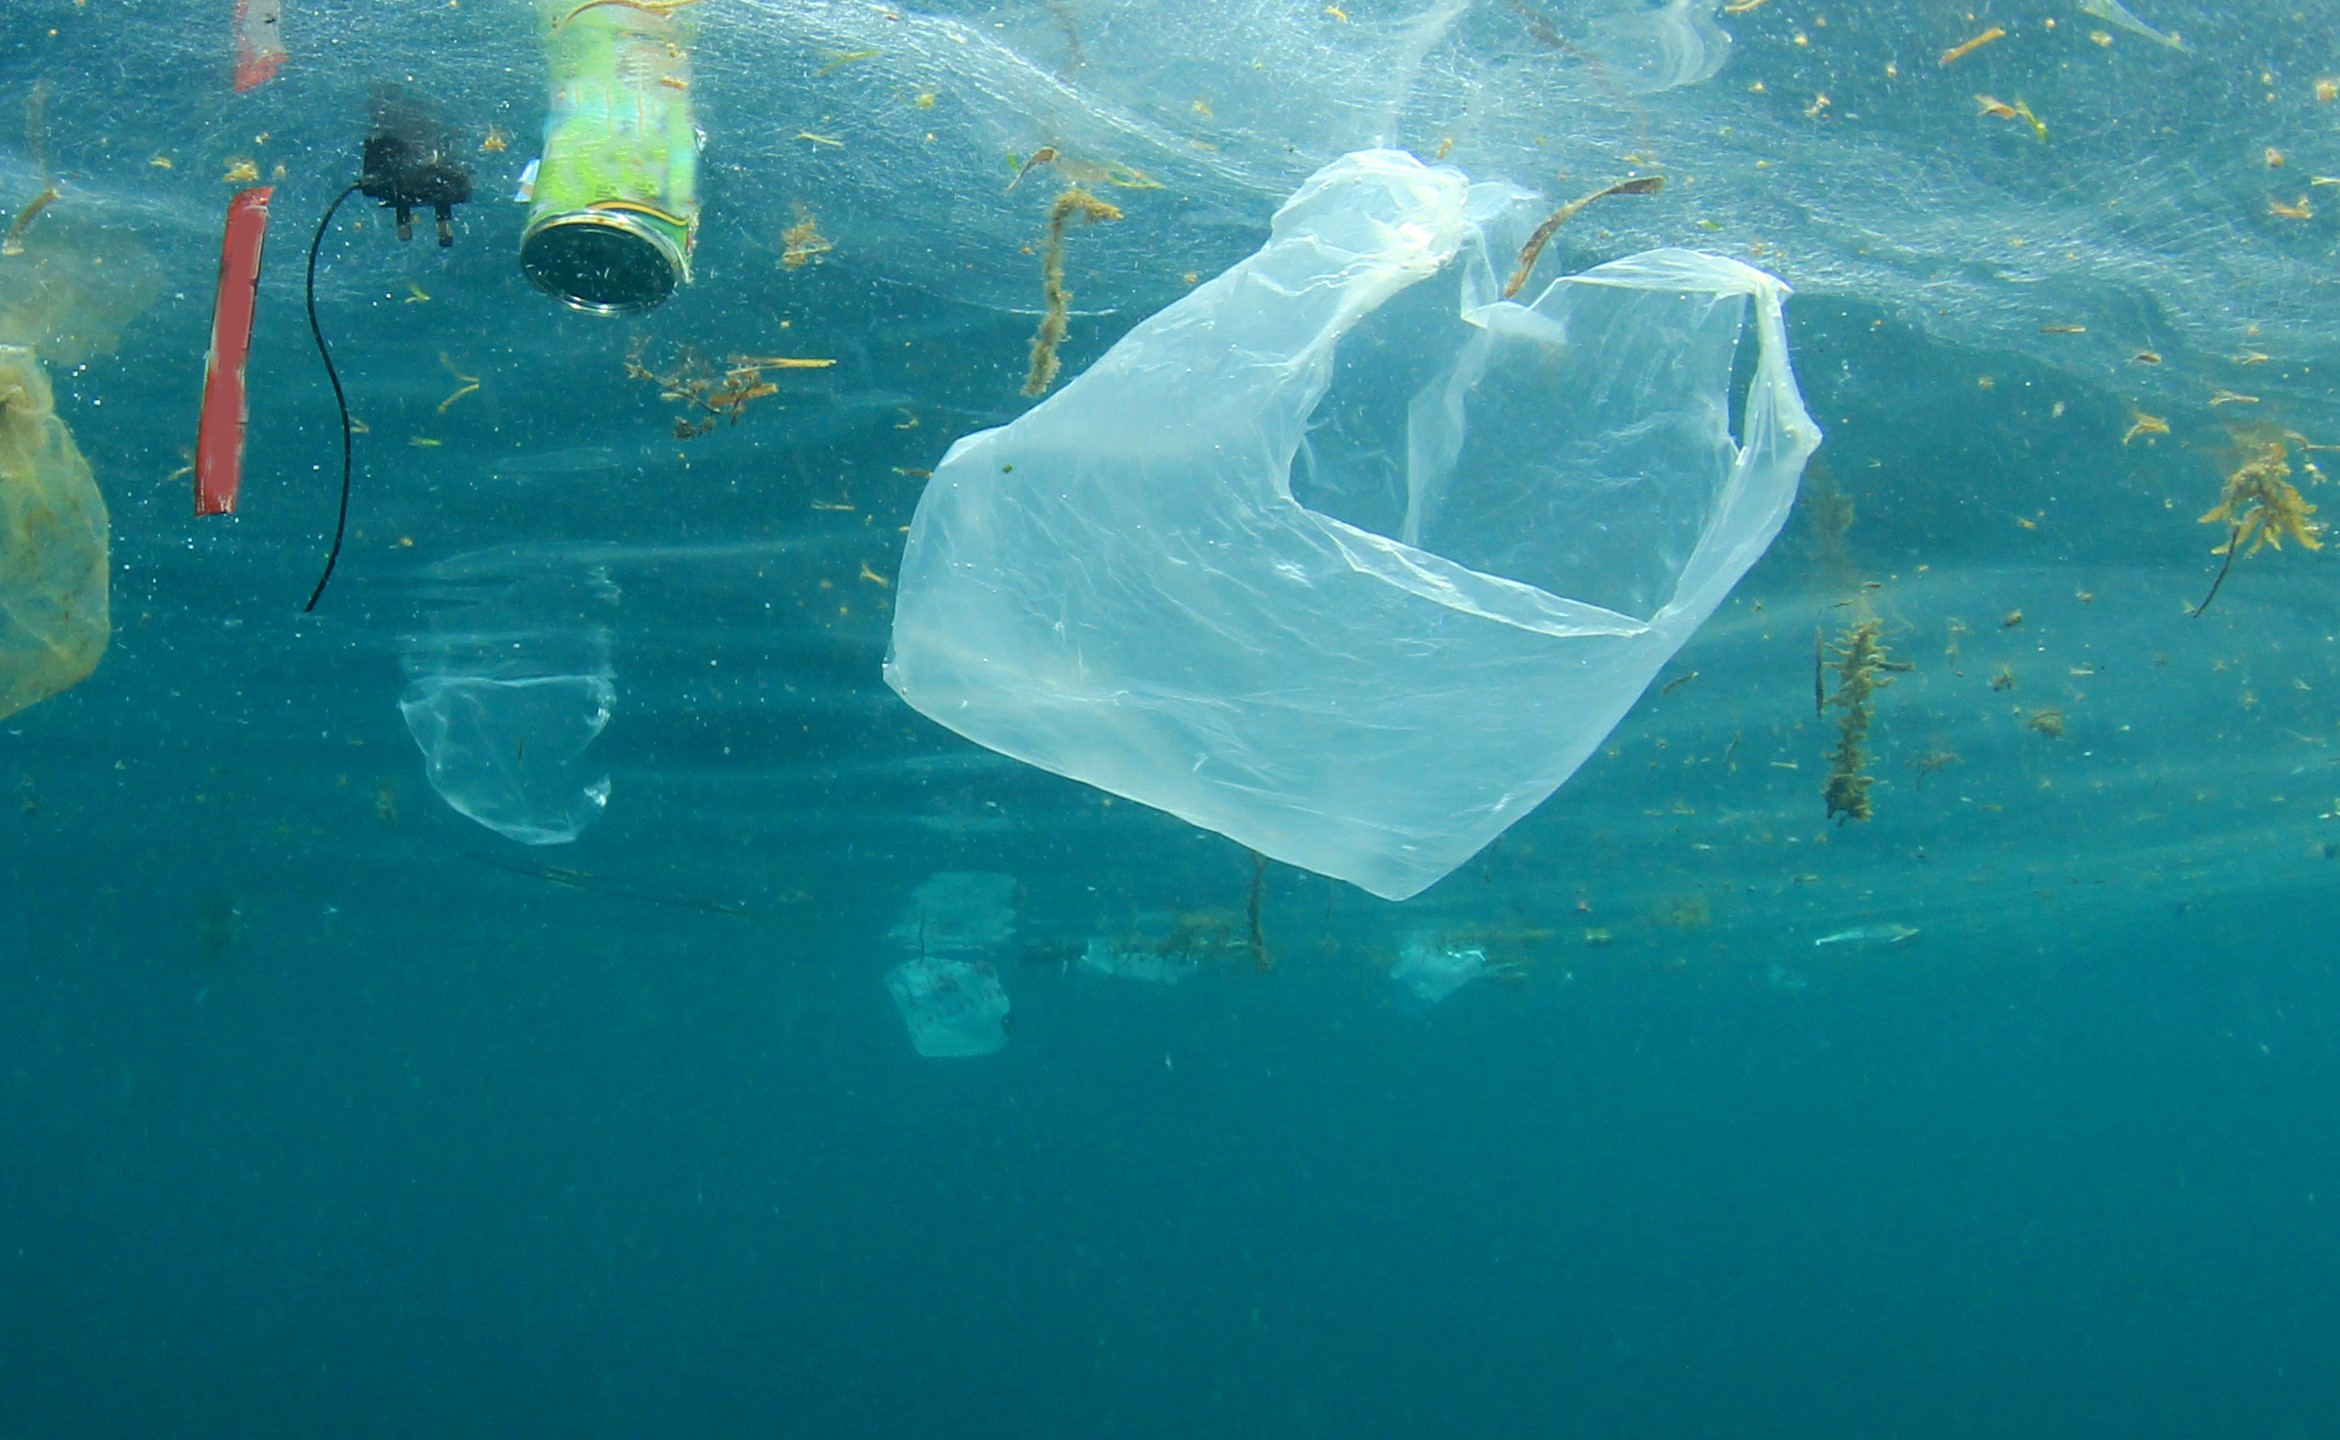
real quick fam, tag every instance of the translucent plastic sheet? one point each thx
(1512, 514)
(950, 1007)
(948, 992)
(54, 620)
(505, 721)
(74, 284)
(1148, 965)
(1431, 971)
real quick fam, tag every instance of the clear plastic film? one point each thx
(1349, 563)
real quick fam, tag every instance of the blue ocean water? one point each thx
(325, 1109)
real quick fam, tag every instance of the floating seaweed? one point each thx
(697, 385)
(1056, 314)
(1042, 156)
(803, 243)
(1862, 669)
(1959, 52)
(36, 143)
(2260, 506)
(660, 8)
(1154, 950)
(1932, 762)
(1528, 253)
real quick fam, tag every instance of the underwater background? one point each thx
(327, 1110)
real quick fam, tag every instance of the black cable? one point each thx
(341, 523)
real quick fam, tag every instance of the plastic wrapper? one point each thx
(1359, 595)
(951, 1007)
(75, 285)
(54, 618)
(505, 721)
(1150, 965)
(948, 992)
(1431, 971)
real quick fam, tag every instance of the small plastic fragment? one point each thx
(1145, 964)
(260, 51)
(1433, 971)
(1888, 933)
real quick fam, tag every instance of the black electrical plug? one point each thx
(409, 166)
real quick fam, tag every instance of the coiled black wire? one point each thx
(340, 399)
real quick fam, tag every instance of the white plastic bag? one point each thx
(1507, 516)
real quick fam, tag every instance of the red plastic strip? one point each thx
(219, 441)
(259, 42)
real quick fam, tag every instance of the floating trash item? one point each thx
(948, 992)
(1151, 965)
(73, 283)
(614, 208)
(260, 52)
(219, 438)
(504, 720)
(1384, 662)
(1433, 971)
(1163, 949)
(952, 1007)
(1886, 934)
(1643, 50)
(54, 616)
(961, 913)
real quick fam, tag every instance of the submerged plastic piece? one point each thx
(959, 912)
(1150, 965)
(948, 993)
(260, 51)
(54, 620)
(1642, 49)
(1511, 514)
(951, 1007)
(505, 721)
(1889, 933)
(1433, 972)
(219, 440)
(80, 279)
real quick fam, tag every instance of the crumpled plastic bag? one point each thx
(1505, 516)
(54, 614)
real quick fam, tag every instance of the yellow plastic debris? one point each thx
(53, 616)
